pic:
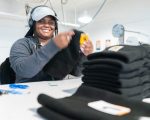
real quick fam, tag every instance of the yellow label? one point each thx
(84, 37)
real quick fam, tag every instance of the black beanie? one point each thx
(65, 60)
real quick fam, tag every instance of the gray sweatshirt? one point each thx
(27, 59)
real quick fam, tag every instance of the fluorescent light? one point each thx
(9, 15)
(85, 19)
(69, 24)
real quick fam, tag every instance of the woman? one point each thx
(29, 55)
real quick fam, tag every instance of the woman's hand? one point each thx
(63, 39)
(87, 47)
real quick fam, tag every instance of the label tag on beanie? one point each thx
(115, 48)
(144, 118)
(109, 108)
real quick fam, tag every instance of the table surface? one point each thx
(21, 104)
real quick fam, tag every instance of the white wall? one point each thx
(132, 14)
(12, 25)
(10, 30)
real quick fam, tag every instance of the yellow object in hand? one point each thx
(84, 37)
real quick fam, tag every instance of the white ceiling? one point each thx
(69, 10)
(127, 12)
(133, 14)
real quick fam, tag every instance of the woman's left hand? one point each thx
(87, 47)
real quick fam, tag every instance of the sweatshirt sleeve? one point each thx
(28, 64)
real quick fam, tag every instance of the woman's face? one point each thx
(44, 28)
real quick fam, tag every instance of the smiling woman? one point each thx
(30, 55)
(45, 28)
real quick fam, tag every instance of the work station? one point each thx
(75, 60)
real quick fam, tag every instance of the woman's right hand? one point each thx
(63, 39)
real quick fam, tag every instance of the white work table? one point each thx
(23, 106)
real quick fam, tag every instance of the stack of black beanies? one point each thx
(121, 69)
